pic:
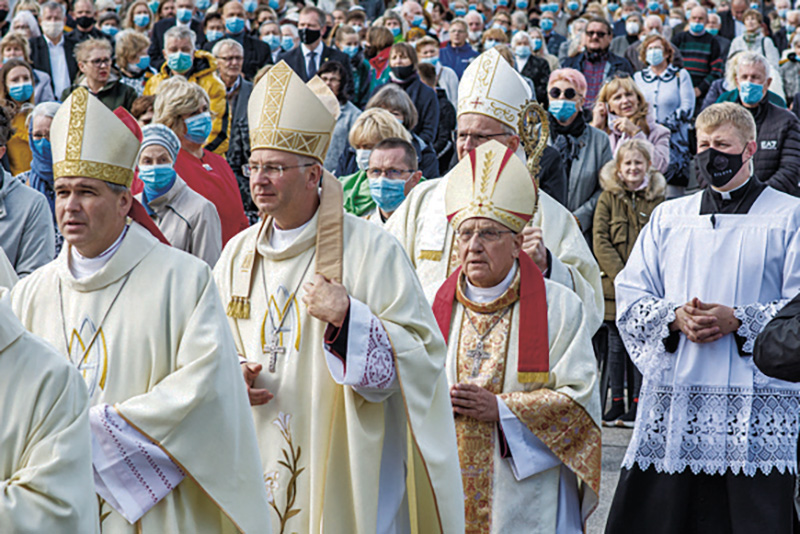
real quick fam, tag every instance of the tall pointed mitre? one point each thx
(285, 114)
(88, 140)
(491, 87)
(493, 184)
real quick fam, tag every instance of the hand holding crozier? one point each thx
(326, 300)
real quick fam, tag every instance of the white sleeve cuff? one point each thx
(131, 473)
(529, 455)
(560, 273)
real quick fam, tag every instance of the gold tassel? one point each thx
(530, 378)
(239, 308)
(430, 255)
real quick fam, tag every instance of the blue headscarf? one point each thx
(41, 173)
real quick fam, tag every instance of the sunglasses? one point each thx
(569, 93)
(596, 34)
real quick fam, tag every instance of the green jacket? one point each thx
(733, 96)
(113, 94)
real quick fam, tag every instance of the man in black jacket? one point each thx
(184, 17)
(256, 52)
(777, 349)
(731, 20)
(84, 14)
(307, 58)
(53, 51)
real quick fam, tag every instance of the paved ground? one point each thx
(615, 441)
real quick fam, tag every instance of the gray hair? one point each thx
(392, 97)
(224, 43)
(117, 188)
(753, 58)
(54, 6)
(30, 21)
(519, 36)
(45, 109)
(518, 18)
(292, 30)
(180, 33)
(713, 15)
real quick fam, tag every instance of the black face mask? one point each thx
(327, 32)
(3, 14)
(85, 22)
(403, 73)
(718, 168)
(370, 52)
(309, 36)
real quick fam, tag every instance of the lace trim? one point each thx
(714, 430)
(754, 318)
(379, 368)
(643, 328)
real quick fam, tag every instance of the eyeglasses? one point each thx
(569, 93)
(392, 174)
(271, 171)
(596, 34)
(478, 139)
(98, 62)
(231, 59)
(488, 235)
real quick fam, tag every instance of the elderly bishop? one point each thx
(173, 444)
(520, 362)
(341, 353)
(491, 96)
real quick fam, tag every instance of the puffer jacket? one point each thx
(618, 219)
(203, 73)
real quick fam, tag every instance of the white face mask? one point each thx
(53, 29)
(362, 158)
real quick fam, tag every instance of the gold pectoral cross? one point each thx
(478, 355)
(273, 349)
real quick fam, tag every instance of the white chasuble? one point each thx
(335, 440)
(421, 226)
(552, 429)
(45, 454)
(150, 338)
(706, 407)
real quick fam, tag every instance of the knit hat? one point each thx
(158, 134)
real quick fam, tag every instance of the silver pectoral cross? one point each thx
(273, 349)
(478, 355)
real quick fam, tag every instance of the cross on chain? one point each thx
(273, 349)
(478, 355)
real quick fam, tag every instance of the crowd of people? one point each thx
(448, 241)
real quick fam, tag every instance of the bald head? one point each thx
(653, 24)
(738, 7)
(698, 14)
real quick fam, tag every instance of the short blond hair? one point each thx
(83, 49)
(18, 39)
(176, 97)
(374, 125)
(717, 115)
(645, 148)
(127, 44)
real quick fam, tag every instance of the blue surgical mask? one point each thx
(546, 24)
(489, 44)
(654, 56)
(537, 44)
(274, 41)
(653, 6)
(562, 110)
(573, 5)
(697, 27)
(502, 3)
(552, 7)
(790, 28)
(460, 11)
(351, 51)
(42, 147)
(141, 20)
(387, 194)
(157, 177)
(395, 31)
(153, 5)
(183, 14)
(782, 13)
(139, 66)
(250, 6)
(713, 31)
(202, 5)
(234, 24)
(287, 43)
(432, 60)
(109, 30)
(417, 21)
(472, 7)
(754, 5)
(213, 35)
(275, 4)
(612, 7)
(523, 51)
(179, 61)
(751, 93)
(357, 28)
(198, 127)
(521, 4)
(21, 92)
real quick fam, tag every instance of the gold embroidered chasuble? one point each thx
(563, 413)
(322, 442)
(164, 359)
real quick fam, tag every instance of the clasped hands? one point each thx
(474, 401)
(703, 322)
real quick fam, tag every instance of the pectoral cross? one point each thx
(273, 349)
(478, 355)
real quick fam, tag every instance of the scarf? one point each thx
(750, 38)
(596, 56)
(40, 176)
(565, 139)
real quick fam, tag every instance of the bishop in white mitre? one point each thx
(341, 353)
(520, 362)
(491, 96)
(45, 452)
(173, 444)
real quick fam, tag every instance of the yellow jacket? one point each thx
(19, 151)
(204, 73)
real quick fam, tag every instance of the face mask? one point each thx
(502, 3)
(790, 28)
(351, 51)
(272, 40)
(675, 22)
(553, 8)
(250, 6)
(417, 21)
(782, 13)
(432, 60)
(573, 6)
(183, 14)
(395, 31)
(718, 168)
(654, 56)
(287, 43)
(562, 110)
(153, 5)
(612, 7)
(52, 29)
(523, 51)
(537, 44)
(111, 31)
(213, 35)
(521, 4)
(41, 147)
(202, 5)
(157, 177)
(697, 27)
(18, 58)
(179, 61)
(234, 24)
(490, 43)
(653, 6)
(546, 24)
(713, 31)
(21, 92)
(198, 127)
(632, 28)
(751, 93)
(754, 5)
(85, 22)
(141, 20)
(387, 194)
(3, 14)
(473, 7)
(309, 36)
(362, 158)
(357, 28)
(460, 12)
(143, 63)
(474, 36)
(404, 72)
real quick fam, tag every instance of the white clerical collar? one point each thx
(726, 195)
(280, 240)
(317, 50)
(80, 266)
(482, 295)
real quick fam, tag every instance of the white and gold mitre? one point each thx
(88, 140)
(492, 183)
(285, 114)
(491, 87)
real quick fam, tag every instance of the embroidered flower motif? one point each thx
(282, 422)
(271, 483)
(291, 461)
